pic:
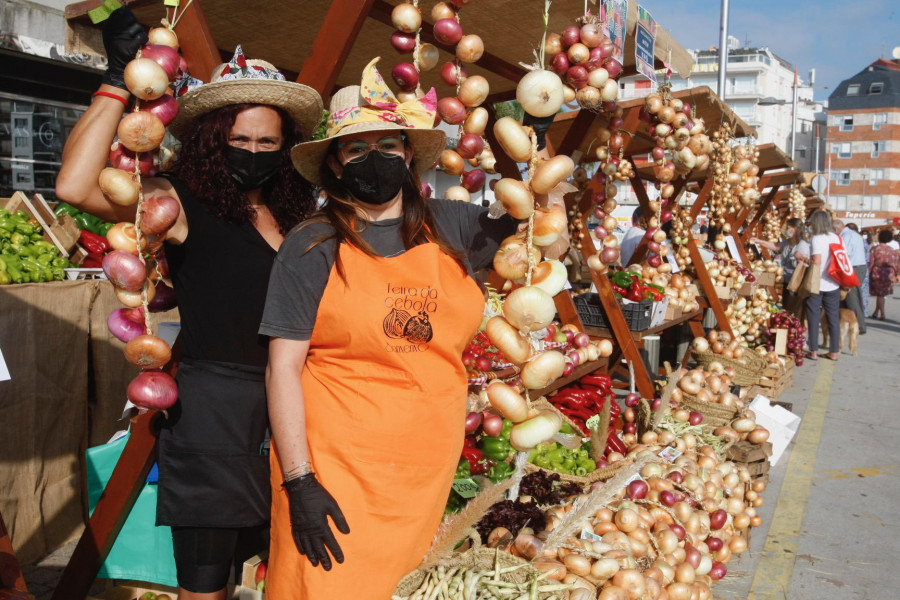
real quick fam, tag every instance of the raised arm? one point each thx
(87, 147)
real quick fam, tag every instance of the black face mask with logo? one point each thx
(377, 178)
(251, 169)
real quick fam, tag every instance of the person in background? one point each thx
(856, 252)
(829, 295)
(633, 236)
(867, 238)
(894, 242)
(786, 249)
(884, 265)
(238, 195)
(370, 305)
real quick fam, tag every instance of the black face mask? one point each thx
(375, 179)
(251, 169)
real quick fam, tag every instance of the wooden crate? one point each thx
(753, 456)
(62, 231)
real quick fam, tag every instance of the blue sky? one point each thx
(837, 38)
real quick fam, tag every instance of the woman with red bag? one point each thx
(829, 296)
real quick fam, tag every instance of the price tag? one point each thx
(669, 453)
(102, 12)
(593, 422)
(732, 247)
(4, 370)
(635, 477)
(174, 3)
(467, 488)
(587, 534)
(670, 257)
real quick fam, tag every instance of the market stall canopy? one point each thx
(283, 33)
(706, 105)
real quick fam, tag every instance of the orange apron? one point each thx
(385, 394)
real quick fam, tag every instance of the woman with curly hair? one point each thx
(239, 195)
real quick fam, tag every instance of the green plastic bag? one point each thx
(142, 551)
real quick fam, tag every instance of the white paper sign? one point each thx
(732, 247)
(4, 370)
(670, 257)
(782, 425)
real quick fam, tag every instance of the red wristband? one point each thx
(111, 95)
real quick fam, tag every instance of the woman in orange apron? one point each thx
(370, 306)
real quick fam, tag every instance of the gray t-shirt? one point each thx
(299, 278)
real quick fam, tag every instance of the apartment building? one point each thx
(864, 143)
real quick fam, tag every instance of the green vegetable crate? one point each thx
(60, 230)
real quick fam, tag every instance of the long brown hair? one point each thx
(341, 211)
(201, 166)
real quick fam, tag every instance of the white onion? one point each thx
(543, 369)
(551, 276)
(146, 79)
(540, 428)
(515, 196)
(119, 187)
(540, 93)
(529, 308)
(513, 138)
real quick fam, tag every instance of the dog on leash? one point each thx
(849, 330)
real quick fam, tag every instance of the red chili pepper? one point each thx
(475, 459)
(598, 381)
(615, 444)
(96, 244)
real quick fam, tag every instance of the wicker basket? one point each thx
(601, 474)
(479, 558)
(714, 415)
(747, 372)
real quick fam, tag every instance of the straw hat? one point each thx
(373, 107)
(245, 81)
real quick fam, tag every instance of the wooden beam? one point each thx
(112, 510)
(332, 45)
(197, 44)
(702, 197)
(708, 287)
(760, 214)
(637, 184)
(577, 130)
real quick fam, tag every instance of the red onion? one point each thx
(165, 299)
(492, 424)
(654, 261)
(607, 48)
(560, 64)
(568, 370)
(668, 498)
(153, 389)
(126, 323)
(452, 110)
(714, 544)
(653, 246)
(591, 35)
(403, 42)
(718, 570)
(581, 340)
(599, 213)
(655, 404)
(600, 232)
(678, 530)
(473, 422)
(666, 216)
(182, 66)
(675, 476)
(165, 108)
(570, 35)
(405, 76)
(470, 145)
(629, 428)
(158, 214)
(613, 67)
(577, 76)
(125, 270)
(632, 399)
(165, 56)
(473, 180)
(609, 255)
(717, 519)
(448, 32)
(637, 489)
(425, 190)
(448, 73)
(122, 158)
(695, 417)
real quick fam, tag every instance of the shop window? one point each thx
(846, 123)
(853, 89)
(876, 88)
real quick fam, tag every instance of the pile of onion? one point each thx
(583, 57)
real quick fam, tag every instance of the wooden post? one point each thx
(701, 199)
(111, 511)
(332, 45)
(708, 287)
(197, 44)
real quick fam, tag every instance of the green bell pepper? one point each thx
(104, 228)
(506, 429)
(499, 472)
(463, 470)
(64, 208)
(5, 279)
(495, 448)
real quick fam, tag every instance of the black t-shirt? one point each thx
(299, 278)
(220, 273)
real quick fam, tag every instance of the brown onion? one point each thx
(141, 131)
(428, 56)
(123, 236)
(470, 48)
(163, 36)
(146, 79)
(119, 187)
(474, 90)
(148, 352)
(406, 17)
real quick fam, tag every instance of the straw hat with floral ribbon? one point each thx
(245, 81)
(372, 106)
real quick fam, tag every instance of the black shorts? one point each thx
(204, 555)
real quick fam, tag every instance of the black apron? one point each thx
(213, 450)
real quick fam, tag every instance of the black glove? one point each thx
(540, 125)
(310, 504)
(123, 36)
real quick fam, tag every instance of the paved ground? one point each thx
(829, 530)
